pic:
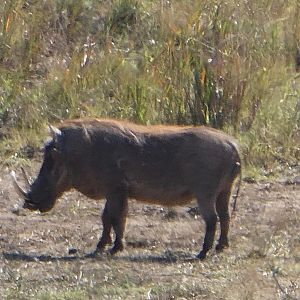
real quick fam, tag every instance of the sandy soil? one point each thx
(44, 256)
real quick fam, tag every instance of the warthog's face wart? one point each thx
(52, 179)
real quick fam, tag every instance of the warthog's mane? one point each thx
(131, 129)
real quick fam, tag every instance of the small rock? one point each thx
(194, 211)
(170, 214)
(249, 179)
(293, 181)
(18, 211)
(72, 250)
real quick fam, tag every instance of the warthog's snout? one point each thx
(28, 204)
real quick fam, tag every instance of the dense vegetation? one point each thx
(229, 64)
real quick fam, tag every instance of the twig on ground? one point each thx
(282, 290)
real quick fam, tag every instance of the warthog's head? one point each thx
(52, 179)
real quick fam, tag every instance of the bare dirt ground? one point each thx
(44, 256)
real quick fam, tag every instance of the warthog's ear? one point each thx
(55, 132)
(56, 135)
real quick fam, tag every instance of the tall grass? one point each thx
(229, 66)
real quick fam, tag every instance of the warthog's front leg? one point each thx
(106, 222)
(114, 216)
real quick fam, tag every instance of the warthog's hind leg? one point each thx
(208, 212)
(119, 222)
(223, 213)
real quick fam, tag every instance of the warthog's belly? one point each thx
(163, 197)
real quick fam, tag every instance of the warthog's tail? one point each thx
(237, 172)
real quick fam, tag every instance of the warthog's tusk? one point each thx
(28, 183)
(19, 190)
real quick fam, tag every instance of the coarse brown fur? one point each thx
(117, 160)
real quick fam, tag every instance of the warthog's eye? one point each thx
(55, 154)
(51, 157)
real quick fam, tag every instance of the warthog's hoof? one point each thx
(116, 248)
(202, 255)
(96, 253)
(220, 247)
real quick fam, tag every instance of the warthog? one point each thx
(117, 160)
